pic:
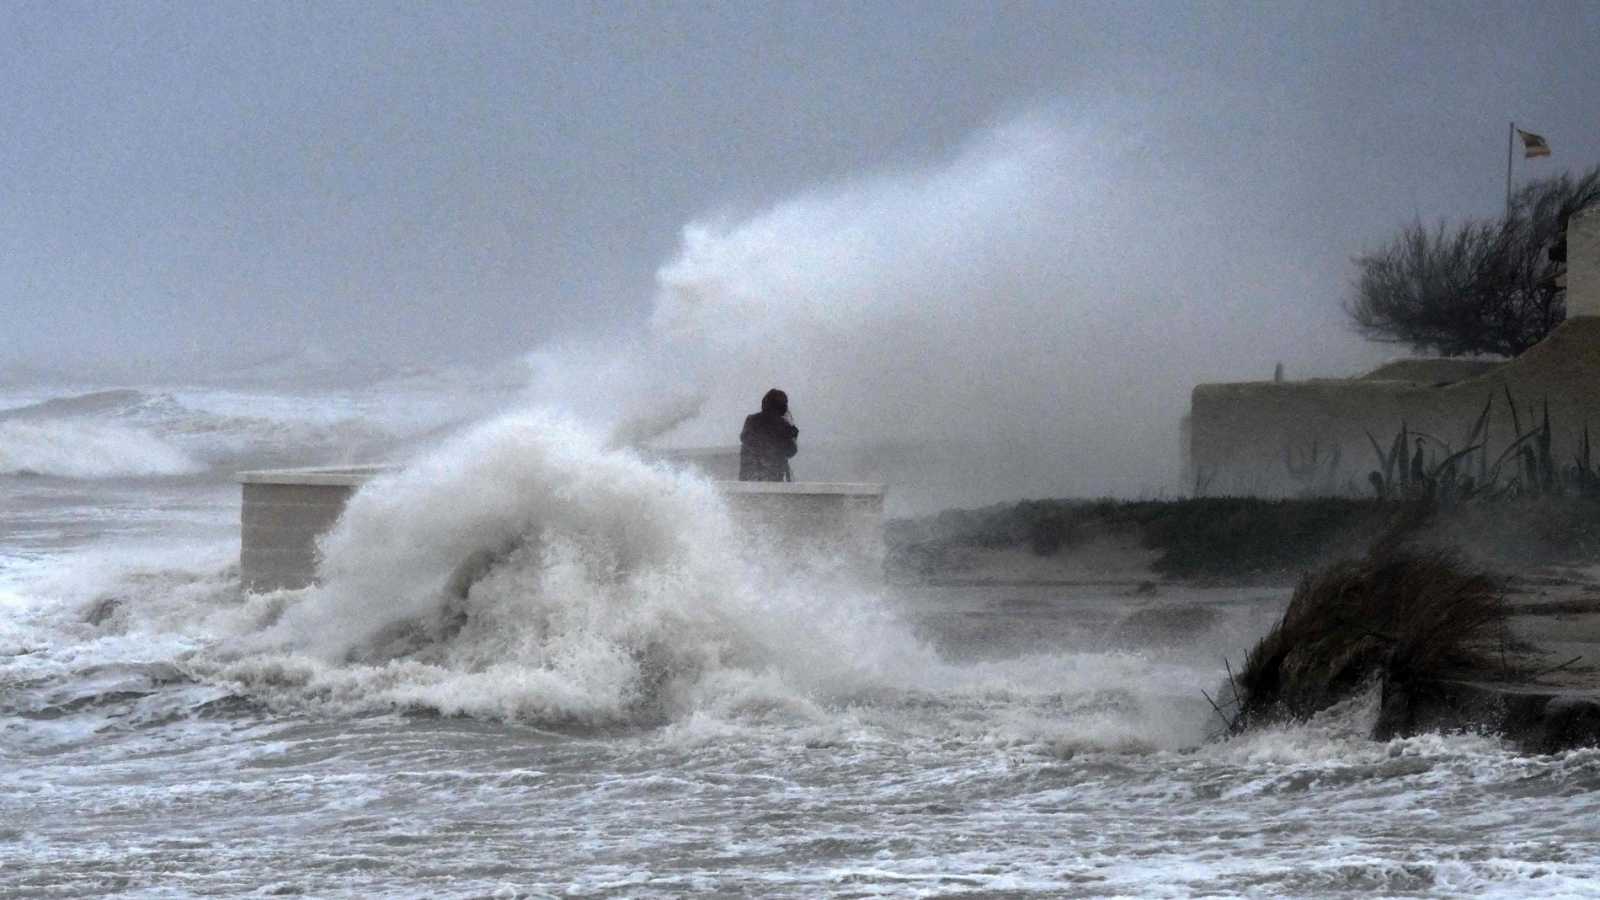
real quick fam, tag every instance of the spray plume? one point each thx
(1026, 318)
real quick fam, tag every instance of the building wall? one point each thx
(1583, 264)
(1254, 438)
(1277, 438)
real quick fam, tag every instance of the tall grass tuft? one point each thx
(1400, 615)
(1418, 465)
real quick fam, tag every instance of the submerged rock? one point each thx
(1538, 720)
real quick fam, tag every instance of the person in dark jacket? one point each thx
(768, 441)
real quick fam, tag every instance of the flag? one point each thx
(1533, 144)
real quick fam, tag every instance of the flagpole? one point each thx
(1511, 137)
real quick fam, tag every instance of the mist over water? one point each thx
(1022, 316)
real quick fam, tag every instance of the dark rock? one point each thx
(1537, 721)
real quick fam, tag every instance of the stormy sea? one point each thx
(636, 700)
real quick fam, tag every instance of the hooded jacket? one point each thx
(768, 441)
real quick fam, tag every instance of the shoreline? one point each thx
(1542, 693)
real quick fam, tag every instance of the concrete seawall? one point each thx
(285, 511)
(282, 514)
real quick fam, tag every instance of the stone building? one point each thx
(1277, 437)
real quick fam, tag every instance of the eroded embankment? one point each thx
(1483, 618)
(1449, 644)
(1240, 538)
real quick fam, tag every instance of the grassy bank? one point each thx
(1251, 538)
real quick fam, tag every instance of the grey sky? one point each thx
(447, 182)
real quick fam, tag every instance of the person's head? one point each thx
(775, 402)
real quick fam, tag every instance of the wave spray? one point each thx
(525, 571)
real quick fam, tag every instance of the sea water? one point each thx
(636, 696)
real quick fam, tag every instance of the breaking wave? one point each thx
(524, 571)
(83, 449)
(118, 401)
(528, 570)
(122, 432)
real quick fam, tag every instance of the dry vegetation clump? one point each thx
(1202, 537)
(1400, 615)
(1254, 539)
(1249, 537)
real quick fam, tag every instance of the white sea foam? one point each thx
(86, 449)
(128, 432)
